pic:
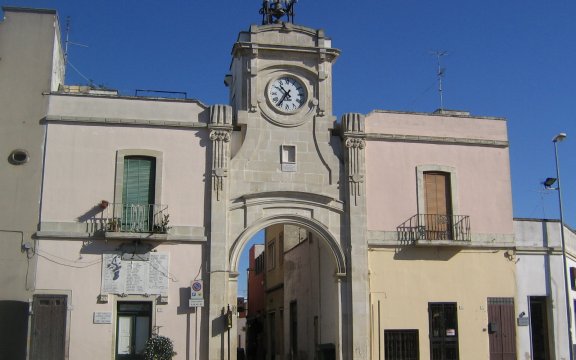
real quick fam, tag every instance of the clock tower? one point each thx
(279, 157)
(266, 56)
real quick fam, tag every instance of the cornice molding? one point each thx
(437, 140)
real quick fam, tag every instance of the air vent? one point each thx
(18, 157)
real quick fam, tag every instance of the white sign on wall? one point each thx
(196, 294)
(135, 276)
(102, 318)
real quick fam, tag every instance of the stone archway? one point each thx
(315, 314)
(311, 224)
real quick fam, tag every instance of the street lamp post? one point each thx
(558, 138)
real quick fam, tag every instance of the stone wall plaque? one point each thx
(102, 317)
(135, 276)
(113, 276)
(158, 274)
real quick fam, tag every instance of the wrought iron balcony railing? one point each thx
(435, 227)
(137, 218)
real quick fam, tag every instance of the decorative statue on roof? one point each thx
(274, 10)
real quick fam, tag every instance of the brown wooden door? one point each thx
(501, 329)
(438, 206)
(48, 327)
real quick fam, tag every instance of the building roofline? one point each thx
(546, 221)
(435, 114)
(28, 10)
(126, 97)
(536, 219)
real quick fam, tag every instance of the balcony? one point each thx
(136, 218)
(435, 229)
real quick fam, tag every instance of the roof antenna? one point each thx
(440, 75)
(68, 42)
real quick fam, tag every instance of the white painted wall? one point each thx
(539, 273)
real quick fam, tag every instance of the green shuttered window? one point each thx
(139, 176)
(138, 193)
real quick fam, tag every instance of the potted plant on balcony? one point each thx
(113, 225)
(162, 226)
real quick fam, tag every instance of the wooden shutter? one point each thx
(437, 193)
(501, 329)
(48, 327)
(138, 193)
(438, 206)
(139, 180)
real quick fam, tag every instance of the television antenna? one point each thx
(440, 74)
(67, 42)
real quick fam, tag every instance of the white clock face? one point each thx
(286, 94)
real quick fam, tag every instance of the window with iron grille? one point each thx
(401, 345)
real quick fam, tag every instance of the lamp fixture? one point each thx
(549, 182)
(560, 137)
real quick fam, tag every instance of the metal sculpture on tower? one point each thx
(274, 10)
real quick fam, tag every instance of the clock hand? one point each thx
(281, 89)
(286, 95)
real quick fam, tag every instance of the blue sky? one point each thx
(513, 59)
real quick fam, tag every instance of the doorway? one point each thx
(501, 329)
(443, 331)
(539, 328)
(49, 327)
(133, 329)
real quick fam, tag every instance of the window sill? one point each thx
(134, 235)
(443, 243)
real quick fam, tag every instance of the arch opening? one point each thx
(316, 227)
(293, 273)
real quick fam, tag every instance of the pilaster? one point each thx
(354, 138)
(220, 127)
